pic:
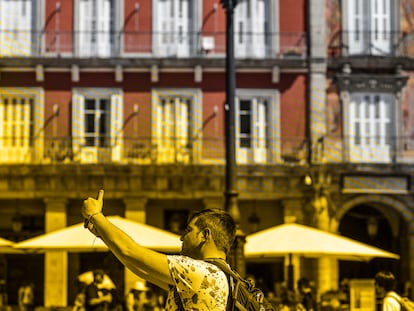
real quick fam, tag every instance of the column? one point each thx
(317, 117)
(327, 267)
(134, 210)
(56, 262)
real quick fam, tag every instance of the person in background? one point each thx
(289, 301)
(135, 297)
(306, 295)
(96, 298)
(26, 296)
(79, 303)
(385, 289)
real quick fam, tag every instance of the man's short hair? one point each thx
(221, 225)
(386, 280)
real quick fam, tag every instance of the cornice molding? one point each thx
(370, 83)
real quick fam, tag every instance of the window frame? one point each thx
(273, 141)
(194, 125)
(96, 154)
(34, 150)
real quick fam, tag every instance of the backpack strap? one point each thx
(222, 264)
(178, 300)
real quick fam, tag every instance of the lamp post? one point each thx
(236, 258)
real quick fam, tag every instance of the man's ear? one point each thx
(206, 233)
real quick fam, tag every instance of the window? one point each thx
(20, 134)
(252, 28)
(257, 127)
(96, 28)
(176, 130)
(174, 25)
(17, 31)
(369, 28)
(97, 124)
(371, 127)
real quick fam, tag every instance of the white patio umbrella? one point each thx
(78, 239)
(306, 241)
(294, 239)
(4, 242)
(6, 247)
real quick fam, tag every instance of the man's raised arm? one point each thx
(145, 263)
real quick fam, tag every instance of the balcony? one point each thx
(75, 44)
(390, 48)
(206, 151)
(147, 150)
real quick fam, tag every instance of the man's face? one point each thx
(98, 278)
(192, 241)
(379, 290)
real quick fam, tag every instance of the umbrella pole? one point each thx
(290, 272)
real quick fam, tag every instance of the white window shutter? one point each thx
(85, 44)
(116, 120)
(78, 124)
(181, 120)
(355, 26)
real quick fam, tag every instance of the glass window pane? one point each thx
(245, 105)
(102, 124)
(388, 134)
(377, 133)
(103, 104)
(357, 134)
(90, 141)
(89, 104)
(245, 123)
(245, 142)
(89, 123)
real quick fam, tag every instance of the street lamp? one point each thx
(236, 258)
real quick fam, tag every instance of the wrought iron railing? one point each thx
(56, 43)
(206, 150)
(371, 43)
(147, 150)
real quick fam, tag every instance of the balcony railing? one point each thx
(15, 43)
(371, 43)
(208, 150)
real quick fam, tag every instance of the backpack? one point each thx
(243, 296)
(405, 302)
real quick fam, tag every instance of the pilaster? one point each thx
(327, 267)
(56, 262)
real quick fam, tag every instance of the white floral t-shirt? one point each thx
(201, 285)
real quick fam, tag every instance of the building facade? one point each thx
(129, 96)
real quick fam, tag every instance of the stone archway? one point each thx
(379, 201)
(398, 217)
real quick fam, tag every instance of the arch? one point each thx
(381, 200)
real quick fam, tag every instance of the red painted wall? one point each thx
(292, 15)
(137, 24)
(58, 26)
(293, 110)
